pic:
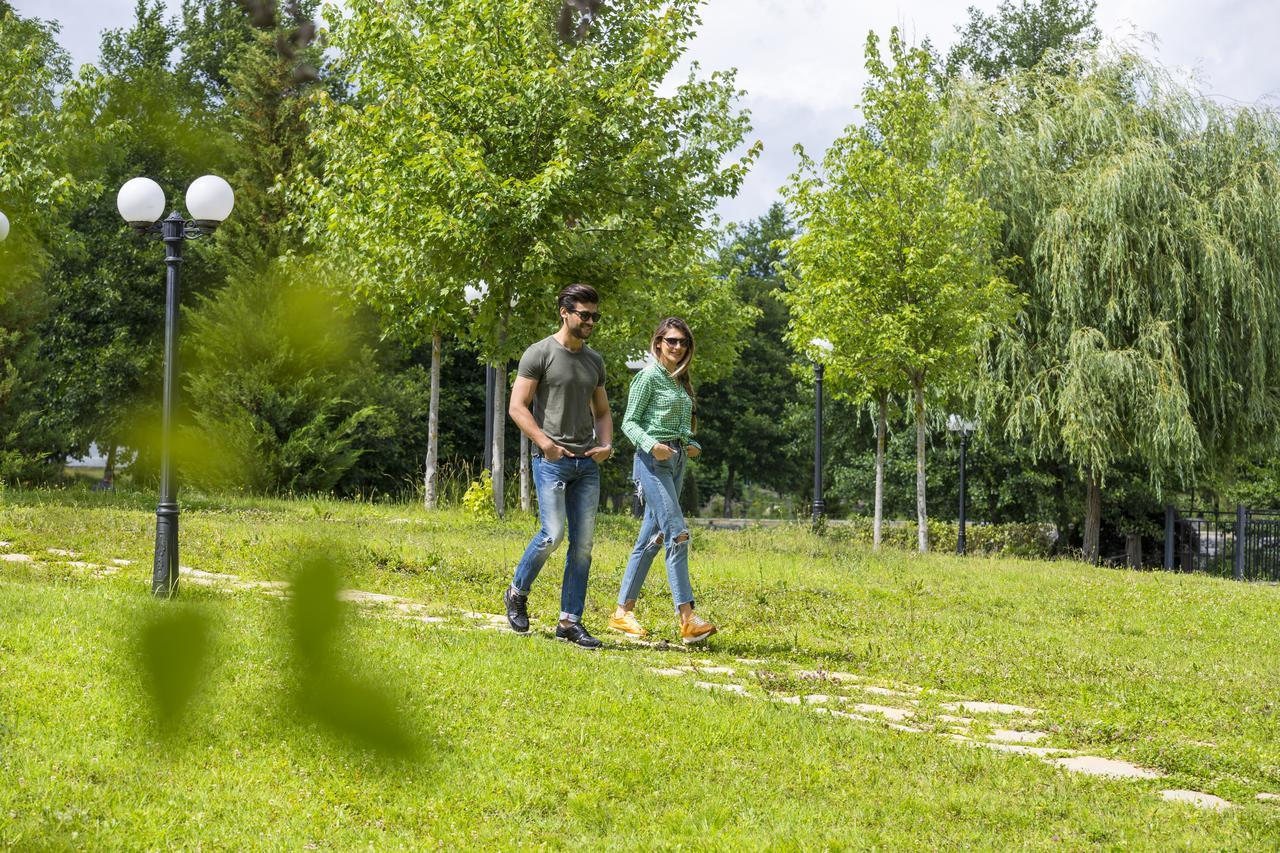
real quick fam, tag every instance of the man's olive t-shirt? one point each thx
(566, 380)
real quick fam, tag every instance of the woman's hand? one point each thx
(661, 452)
(694, 451)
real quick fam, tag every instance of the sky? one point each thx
(800, 61)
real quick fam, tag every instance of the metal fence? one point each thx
(1244, 544)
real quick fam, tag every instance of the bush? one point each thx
(1016, 539)
(479, 498)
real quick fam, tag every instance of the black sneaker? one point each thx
(517, 610)
(577, 635)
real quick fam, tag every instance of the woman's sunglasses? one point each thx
(674, 343)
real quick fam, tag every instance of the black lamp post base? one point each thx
(164, 575)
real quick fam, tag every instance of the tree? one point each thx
(1018, 38)
(101, 334)
(742, 416)
(1147, 215)
(894, 261)
(34, 189)
(497, 152)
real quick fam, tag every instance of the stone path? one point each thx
(997, 726)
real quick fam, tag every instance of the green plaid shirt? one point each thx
(658, 410)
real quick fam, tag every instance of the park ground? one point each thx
(834, 710)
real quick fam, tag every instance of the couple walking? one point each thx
(559, 401)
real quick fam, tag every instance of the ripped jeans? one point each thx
(659, 482)
(568, 496)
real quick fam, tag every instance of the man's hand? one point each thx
(661, 452)
(600, 453)
(694, 451)
(553, 452)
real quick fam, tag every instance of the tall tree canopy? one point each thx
(894, 263)
(484, 148)
(1147, 215)
(1019, 37)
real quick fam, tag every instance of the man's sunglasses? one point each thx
(593, 316)
(676, 342)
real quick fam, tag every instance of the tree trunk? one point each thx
(1092, 517)
(525, 499)
(499, 416)
(922, 513)
(1133, 550)
(728, 493)
(881, 427)
(433, 427)
(109, 472)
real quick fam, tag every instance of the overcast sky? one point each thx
(800, 61)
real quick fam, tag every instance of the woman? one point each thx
(659, 422)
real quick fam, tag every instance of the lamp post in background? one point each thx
(141, 203)
(821, 350)
(963, 429)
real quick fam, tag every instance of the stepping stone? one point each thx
(80, 564)
(1197, 799)
(361, 597)
(751, 661)
(62, 552)
(885, 691)
(1092, 765)
(1018, 749)
(665, 671)
(899, 727)
(16, 558)
(988, 708)
(823, 675)
(1268, 798)
(4, 544)
(1012, 736)
(817, 698)
(960, 721)
(793, 700)
(859, 717)
(471, 614)
(728, 688)
(122, 562)
(885, 711)
(210, 577)
(716, 670)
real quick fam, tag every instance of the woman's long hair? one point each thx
(681, 372)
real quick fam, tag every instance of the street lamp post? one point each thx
(141, 203)
(822, 349)
(964, 429)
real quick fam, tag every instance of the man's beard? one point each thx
(582, 332)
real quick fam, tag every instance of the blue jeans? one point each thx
(660, 482)
(568, 496)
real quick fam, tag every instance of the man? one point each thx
(558, 400)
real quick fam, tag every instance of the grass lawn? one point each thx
(528, 742)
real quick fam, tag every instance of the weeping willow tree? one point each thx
(1147, 216)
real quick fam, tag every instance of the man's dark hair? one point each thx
(578, 294)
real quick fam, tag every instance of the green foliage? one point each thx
(478, 499)
(1020, 37)
(483, 149)
(287, 394)
(173, 652)
(1013, 539)
(327, 689)
(1146, 213)
(742, 416)
(894, 259)
(34, 188)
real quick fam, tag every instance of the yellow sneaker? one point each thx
(695, 629)
(625, 621)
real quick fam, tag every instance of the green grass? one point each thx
(531, 743)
